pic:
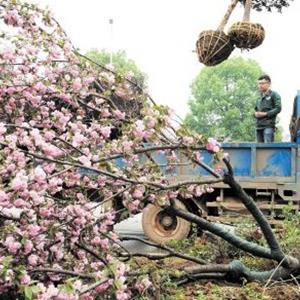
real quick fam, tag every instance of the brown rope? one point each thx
(214, 46)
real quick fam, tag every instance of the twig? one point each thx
(92, 252)
(211, 268)
(93, 286)
(59, 173)
(150, 149)
(59, 271)
(110, 198)
(284, 281)
(296, 281)
(70, 145)
(147, 255)
(275, 270)
(201, 276)
(118, 177)
(171, 251)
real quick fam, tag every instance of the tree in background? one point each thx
(270, 5)
(279, 133)
(223, 100)
(121, 63)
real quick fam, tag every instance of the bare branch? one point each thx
(165, 248)
(60, 271)
(260, 218)
(236, 241)
(92, 252)
(93, 286)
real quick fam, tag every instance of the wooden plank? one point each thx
(231, 205)
(237, 219)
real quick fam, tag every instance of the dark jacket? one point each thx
(271, 104)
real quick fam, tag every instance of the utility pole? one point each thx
(111, 22)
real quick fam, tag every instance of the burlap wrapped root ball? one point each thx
(246, 35)
(213, 47)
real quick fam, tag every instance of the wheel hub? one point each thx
(167, 221)
(161, 226)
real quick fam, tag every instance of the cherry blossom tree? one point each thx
(65, 125)
(269, 5)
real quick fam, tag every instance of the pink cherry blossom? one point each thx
(127, 145)
(151, 198)
(188, 140)
(133, 205)
(105, 113)
(213, 145)
(28, 247)
(3, 196)
(20, 182)
(119, 115)
(12, 17)
(8, 53)
(49, 293)
(33, 230)
(77, 84)
(78, 139)
(85, 161)
(25, 279)
(143, 285)
(121, 294)
(103, 287)
(2, 129)
(105, 131)
(12, 245)
(33, 260)
(138, 193)
(40, 87)
(19, 203)
(51, 150)
(39, 175)
(49, 167)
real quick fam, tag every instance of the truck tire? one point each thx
(161, 227)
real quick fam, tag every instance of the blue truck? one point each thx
(270, 173)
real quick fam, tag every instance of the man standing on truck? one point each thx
(266, 110)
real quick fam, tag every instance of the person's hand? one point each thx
(260, 114)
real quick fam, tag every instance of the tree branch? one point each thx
(165, 248)
(59, 271)
(93, 286)
(262, 221)
(92, 252)
(236, 241)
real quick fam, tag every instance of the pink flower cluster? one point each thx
(13, 18)
(56, 129)
(213, 145)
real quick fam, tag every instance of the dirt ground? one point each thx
(251, 291)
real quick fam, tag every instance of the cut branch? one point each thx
(262, 221)
(165, 248)
(236, 241)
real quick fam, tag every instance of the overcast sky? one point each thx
(160, 36)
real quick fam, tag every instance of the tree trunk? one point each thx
(248, 5)
(227, 15)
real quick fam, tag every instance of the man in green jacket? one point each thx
(266, 110)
